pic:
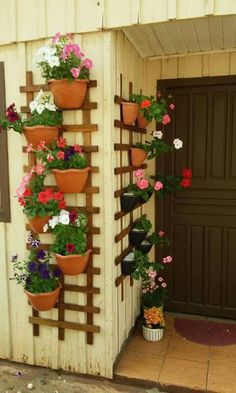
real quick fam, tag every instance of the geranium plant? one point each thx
(153, 318)
(157, 146)
(143, 223)
(143, 188)
(60, 155)
(69, 228)
(170, 183)
(154, 290)
(42, 113)
(35, 274)
(154, 108)
(63, 59)
(36, 199)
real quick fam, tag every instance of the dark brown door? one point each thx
(201, 220)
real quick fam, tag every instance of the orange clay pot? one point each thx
(36, 134)
(43, 301)
(73, 264)
(37, 223)
(69, 94)
(142, 122)
(71, 181)
(137, 156)
(129, 112)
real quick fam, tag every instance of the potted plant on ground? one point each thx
(140, 230)
(153, 324)
(39, 202)
(70, 244)
(40, 282)
(64, 66)
(43, 125)
(67, 163)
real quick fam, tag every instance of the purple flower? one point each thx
(41, 254)
(32, 267)
(70, 151)
(43, 270)
(14, 258)
(57, 272)
(35, 243)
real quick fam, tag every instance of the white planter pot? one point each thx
(152, 334)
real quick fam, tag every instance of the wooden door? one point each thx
(201, 220)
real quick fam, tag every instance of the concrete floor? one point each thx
(175, 364)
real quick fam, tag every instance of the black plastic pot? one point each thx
(144, 247)
(128, 202)
(141, 200)
(136, 237)
(128, 264)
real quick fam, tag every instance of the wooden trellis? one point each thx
(121, 147)
(86, 129)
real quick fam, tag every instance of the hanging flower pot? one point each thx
(73, 264)
(71, 180)
(142, 121)
(137, 156)
(37, 223)
(39, 133)
(129, 112)
(152, 334)
(145, 247)
(43, 301)
(69, 94)
(128, 201)
(128, 264)
(142, 200)
(136, 236)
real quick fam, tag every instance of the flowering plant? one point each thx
(157, 146)
(36, 199)
(154, 290)
(60, 155)
(143, 188)
(158, 239)
(42, 113)
(35, 274)
(62, 58)
(153, 318)
(154, 108)
(172, 183)
(70, 229)
(143, 223)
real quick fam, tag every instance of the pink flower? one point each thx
(160, 279)
(39, 169)
(75, 72)
(55, 38)
(161, 233)
(167, 259)
(61, 142)
(164, 285)
(78, 148)
(29, 147)
(41, 146)
(50, 158)
(142, 184)
(87, 63)
(158, 186)
(139, 173)
(172, 106)
(61, 155)
(166, 119)
(152, 274)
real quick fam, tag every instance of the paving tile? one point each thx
(223, 355)
(186, 373)
(140, 366)
(156, 348)
(221, 379)
(184, 349)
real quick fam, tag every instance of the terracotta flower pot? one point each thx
(73, 264)
(71, 180)
(36, 134)
(142, 122)
(137, 156)
(43, 301)
(129, 112)
(37, 223)
(69, 94)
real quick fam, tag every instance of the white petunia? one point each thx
(40, 108)
(33, 105)
(45, 228)
(44, 53)
(50, 107)
(53, 222)
(53, 61)
(157, 134)
(39, 95)
(64, 217)
(178, 143)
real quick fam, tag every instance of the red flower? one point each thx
(58, 196)
(166, 119)
(70, 248)
(61, 142)
(27, 192)
(185, 183)
(187, 173)
(61, 155)
(21, 201)
(45, 196)
(73, 216)
(62, 204)
(42, 146)
(145, 104)
(77, 148)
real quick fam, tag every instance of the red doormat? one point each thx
(206, 332)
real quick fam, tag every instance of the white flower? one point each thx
(157, 134)
(64, 217)
(39, 95)
(44, 53)
(40, 108)
(45, 228)
(53, 222)
(50, 107)
(53, 61)
(177, 143)
(33, 106)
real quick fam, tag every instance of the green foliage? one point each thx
(154, 297)
(137, 98)
(143, 264)
(154, 148)
(158, 240)
(145, 194)
(143, 223)
(46, 118)
(170, 183)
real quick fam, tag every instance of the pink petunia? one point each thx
(139, 173)
(166, 119)
(56, 38)
(142, 184)
(161, 233)
(29, 147)
(87, 63)
(75, 72)
(39, 169)
(158, 186)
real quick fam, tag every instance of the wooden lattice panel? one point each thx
(119, 171)
(86, 129)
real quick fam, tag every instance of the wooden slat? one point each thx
(121, 214)
(64, 325)
(76, 307)
(45, 87)
(123, 233)
(119, 100)
(126, 251)
(122, 147)
(120, 124)
(119, 280)
(83, 289)
(87, 105)
(94, 230)
(119, 192)
(86, 149)
(79, 128)
(127, 169)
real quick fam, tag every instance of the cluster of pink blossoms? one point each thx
(143, 183)
(39, 169)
